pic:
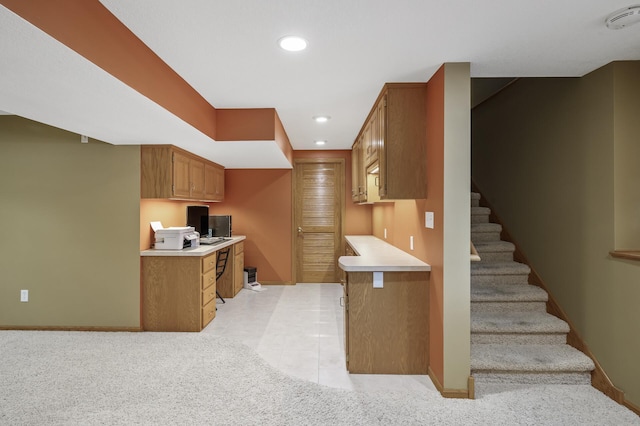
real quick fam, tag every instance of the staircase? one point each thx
(514, 341)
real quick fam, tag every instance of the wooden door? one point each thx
(318, 219)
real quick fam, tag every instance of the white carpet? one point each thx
(82, 378)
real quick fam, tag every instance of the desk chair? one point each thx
(221, 265)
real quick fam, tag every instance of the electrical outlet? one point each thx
(385, 233)
(411, 242)
(24, 295)
(428, 220)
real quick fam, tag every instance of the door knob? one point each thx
(299, 230)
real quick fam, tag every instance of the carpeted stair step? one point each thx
(480, 214)
(475, 199)
(518, 328)
(499, 273)
(483, 232)
(495, 251)
(507, 298)
(529, 364)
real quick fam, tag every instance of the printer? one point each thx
(175, 237)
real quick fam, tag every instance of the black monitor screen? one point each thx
(198, 217)
(220, 225)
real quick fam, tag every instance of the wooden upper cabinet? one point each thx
(196, 174)
(371, 139)
(172, 173)
(396, 128)
(358, 173)
(181, 176)
(355, 172)
(213, 182)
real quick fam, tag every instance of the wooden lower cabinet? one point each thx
(387, 329)
(232, 281)
(178, 292)
(238, 267)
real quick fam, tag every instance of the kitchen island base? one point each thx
(387, 329)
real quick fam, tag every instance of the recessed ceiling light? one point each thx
(321, 142)
(292, 43)
(321, 118)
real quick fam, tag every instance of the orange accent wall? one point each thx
(90, 29)
(253, 124)
(282, 139)
(260, 202)
(249, 124)
(405, 218)
(434, 238)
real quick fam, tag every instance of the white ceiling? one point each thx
(227, 51)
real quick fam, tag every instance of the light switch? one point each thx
(385, 233)
(411, 242)
(428, 220)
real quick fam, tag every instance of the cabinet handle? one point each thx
(342, 301)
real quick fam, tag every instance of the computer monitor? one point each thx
(220, 225)
(198, 217)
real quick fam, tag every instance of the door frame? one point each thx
(343, 208)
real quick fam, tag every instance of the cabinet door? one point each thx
(181, 176)
(210, 176)
(171, 293)
(382, 146)
(238, 272)
(196, 175)
(219, 181)
(371, 136)
(355, 172)
(345, 303)
(362, 173)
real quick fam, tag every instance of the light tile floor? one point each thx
(300, 330)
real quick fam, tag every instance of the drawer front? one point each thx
(208, 313)
(239, 248)
(208, 294)
(209, 262)
(208, 279)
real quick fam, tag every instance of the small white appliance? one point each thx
(175, 237)
(251, 279)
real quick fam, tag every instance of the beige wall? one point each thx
(457, 225)
(543, 155)
(626, 86)
(70, 220)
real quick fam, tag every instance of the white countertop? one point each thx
(203, 250)
(376, 255)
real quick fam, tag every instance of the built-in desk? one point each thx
(386, 316)
(179, 286)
